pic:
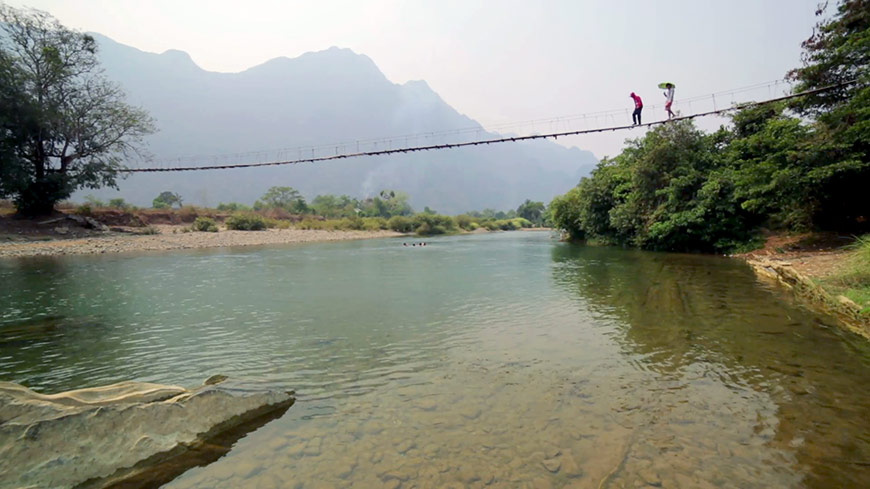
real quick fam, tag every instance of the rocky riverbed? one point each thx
(172, 238)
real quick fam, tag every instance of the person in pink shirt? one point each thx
(638, 106)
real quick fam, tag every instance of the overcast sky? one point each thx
(495, 61)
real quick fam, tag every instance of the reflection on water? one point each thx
(702, 319)
(505, 360)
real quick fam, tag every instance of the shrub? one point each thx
(276, 213)
(507, 225)
(272, 223)
(427, 224)
(188, 213)
(352, 223)
(245, 222)
(521, 222)
(119, 204)
(374, 223)
(401, 224)
(310, 224)
(466, 222)
(93, 201)
(84, 210)
(205, 224)
(232, 207)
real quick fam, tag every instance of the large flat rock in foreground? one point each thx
(103, 435)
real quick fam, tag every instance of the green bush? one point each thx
(354, 223)
(466, 222)
(93, 201)
(492, 225)
(374, 223)
(246, 222)
(119, 204)
(273, 223)
(429, 224)
(507, 225)
(310, 224)
(232, 207)
(401, 224)
(521, 222)
(205, 224)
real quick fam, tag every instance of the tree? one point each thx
(839, 52)
(331, 206)
(287, 198)
(665, 191)
(564, 213)
(166, 200)
(63, 125)
(119, 203)
(771, 155)
(533, 211)
(389, 203)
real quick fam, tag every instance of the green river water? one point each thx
(496, 360)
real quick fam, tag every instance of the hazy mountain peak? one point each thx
(180, 60)
(420, 85)
(334, 61)
(336, 100)
(176, 54)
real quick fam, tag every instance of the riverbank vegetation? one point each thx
(853, 280)
(285, 207)
(787, 167)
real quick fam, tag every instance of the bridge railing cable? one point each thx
(459, 134)
(433, 147)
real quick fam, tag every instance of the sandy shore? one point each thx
(167, 240)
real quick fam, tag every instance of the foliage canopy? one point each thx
(795, 167)
(63, 125)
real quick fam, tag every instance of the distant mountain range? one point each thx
(322, 98)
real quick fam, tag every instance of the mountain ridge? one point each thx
(319, 98)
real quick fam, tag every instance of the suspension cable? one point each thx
(556, 135)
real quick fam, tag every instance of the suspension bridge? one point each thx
(498, 140)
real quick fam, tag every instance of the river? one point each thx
(494, 360)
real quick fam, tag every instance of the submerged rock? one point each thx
(108, 435)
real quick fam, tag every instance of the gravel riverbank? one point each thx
(169, 240)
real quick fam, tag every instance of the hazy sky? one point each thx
(495, 61)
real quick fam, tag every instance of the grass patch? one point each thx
(854, 280)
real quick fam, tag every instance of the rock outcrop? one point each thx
(102, 436)
(847, 312)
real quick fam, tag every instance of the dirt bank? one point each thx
(172, 238)
(801, 263)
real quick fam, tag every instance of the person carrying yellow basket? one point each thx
(669, 97)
